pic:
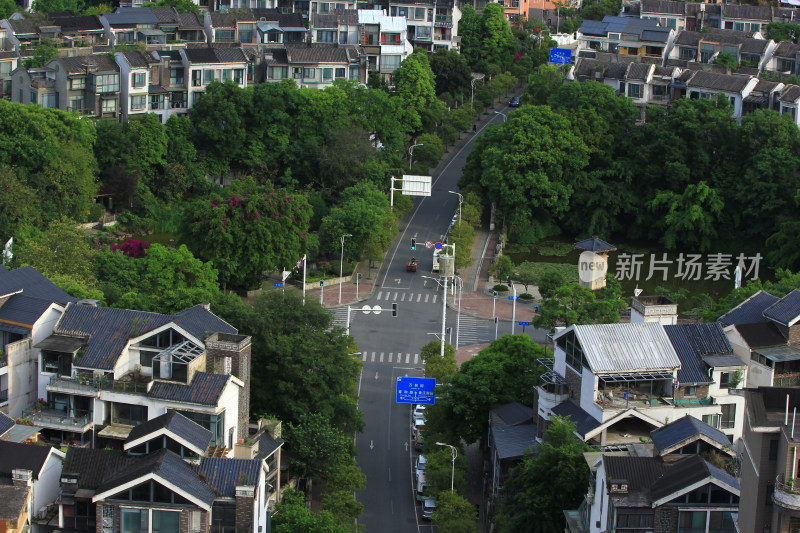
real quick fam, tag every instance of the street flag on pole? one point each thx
(7, 254)
(301, 262)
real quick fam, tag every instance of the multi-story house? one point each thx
(8, 60)
(385, 41)
(180, 27)
(315, 66)
(76, 33)
(642, 39)
(204, 65)
(789, 103)
(751, 19)
(168, 91)
(434, 22)
(770, 461)
(29, 307)
(338, 27)
(620, 381)
(764, 330)
(512, 434)
(704, 47)
(160, 483)
(707, 85)
(134, 78)
(252, 26)
(785, 58)
(281, 28)
(34, 86)
(129, 25)
(765, 95)
(105, 371)
(36, 467)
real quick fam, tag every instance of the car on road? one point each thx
(428, 507)
(421, 486)
(422, 463)
(419, 411)
(514, 102)
(417, 426)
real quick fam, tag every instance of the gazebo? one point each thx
(600, 249)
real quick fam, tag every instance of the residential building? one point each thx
(315, 66)
(242, 26)
(707, 85)
(765, 95)
(135, 83)
(78, 33)
(338, 27)
(204, 65)
(129, 25)
(8, 60)
(430, 24)
(638, 38)
(789, 103)
(385, 41)
(742, 17)
(619, 381)
(88, 85)
(34, 86)
(168, 91)
(785, 58)
(705, 47)
(30, 305)
(770, 461)
(763, 330)
(512, 433)
(180, 27)
(32, 466)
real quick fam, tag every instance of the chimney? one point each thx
(228, 353)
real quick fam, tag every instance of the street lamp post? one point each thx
(460, 200)
(411, 157)
(444, 309)
(458, 316)
(454, 454)
(514, 306)
(341, 265)
(504, 115)
(472, 93)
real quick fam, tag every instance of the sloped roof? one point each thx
(33, 284)
(229, 18)
(201, 322)
(136, 59)
(78, 64)
(94, 466)
(663, 6)
(684, 428)
(189, 21)
(722, 361)
(718, 82)
(689, 470)
(22, 309)
(205, 389)
(761, 335)
(622, 348)
(320, 53)
(785, 311)
(6, 423)
(787, 49)
(751, 310)
(215, 55)
(691, 343)
(334, 18)
(78, 23)
(176, 423)
(267, 445)
(223, 474)
(12, 501)
(713, 35)
(28, 456)
(596, 244)
(790, 94)
(512, 414)
(638, 71)
(617, 24)
(131, 15)
(511, 442)
(639, 472)
(732, 11)
(584, 422)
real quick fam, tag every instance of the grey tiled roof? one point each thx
(267, 445)
(320, 53)
(718, 82)
(786, 310)
(790, 94)
(95, 466)
(765, 86)
(732, 11)
(616, 71)
(201, 322)
(691, 342)
(215, 55)
(721, 361)
(687, 471)
(512, 414)
(28, 456)
(663, 7)
(21, 309)
(33, 284)
(229, 18)
(596, 244)
(6, 423)
(131, 15)
(584, 422)
(136, 59)
(638, 71)
(787, 49)
(189, 21)
(78, 23)
(12, 502)
(639, 472)
(630, 25)
(224, 474)
(78, 64)
(761, 334)
(511, 442)
(754, 46)
(693, 38)
(751, 310)
(682, 429)
(205, 389)
(176, 423)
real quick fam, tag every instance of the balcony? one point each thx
(69, 385)
(56, 419)
(128, 385)
(785, 494)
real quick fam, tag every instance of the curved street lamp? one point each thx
(454, 453)
(341, 265)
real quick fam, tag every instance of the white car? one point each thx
(417, 425)
(419, 411)
(422, 463)
(428, 507)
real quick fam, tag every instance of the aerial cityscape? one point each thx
(402, 266)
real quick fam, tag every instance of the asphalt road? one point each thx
(390, 348)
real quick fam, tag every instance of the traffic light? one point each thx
(494, 294)
(394, 309)
(413, 244)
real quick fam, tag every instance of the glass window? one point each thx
(712, 420)
(390, 62)
(390, 38)
(214, 423)
(635, 90)
(340, 73)
(277, 73)
(76, 104)
(197, 78)
(738, 26)
(105, 83)
(49, 101)
(691, 521)
(166, 521)
(354, 76)
(77, 83)
(139, 79)
(690, 391)
(227, 74)
(176, 76)
(327, 74)
(246, 33)
(326, 36)
(773, 450)
(139, 103)
(754, 27)
(419, 13)
(785, 65)
(208, 76)
(238, 76)
(274, 36)
(224, 35)
(223, 518)
(309, 73)
(423, 32)
(109, 106)
(134, 520)
(732, 50)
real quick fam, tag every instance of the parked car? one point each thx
(422, 463)
(421, 486)
(417, 426)
(514, 102)
(428, 507)
(419, 411)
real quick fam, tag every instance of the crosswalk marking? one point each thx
(434, 298)
(403, 298)
(387, 296)
(408, 356)
(418, 297)
(364, 357)
(381, 361)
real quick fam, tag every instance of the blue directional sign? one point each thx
(524, 323)
(561, 56)
(512, 297)
(278, 284)
(415, 390)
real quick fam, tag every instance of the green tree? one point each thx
(361, 213)
(502, 267)
(44, 52)
(549, 283)
(454, 514)
(436, 366)
(451, 72)
(526, 273)
(429, 150)
(544, 82)
(439, 471)
(48, 6)
(182, 6)
(727, 60)
(415, 84)
(597, 9)
(292, 516)
(19, 203)
(572, 303)
(7, 8)
(527, 504)
(496, 37)
(318, 448)
(248, 230)
(338, 495)
(690, 218)
(779, 31)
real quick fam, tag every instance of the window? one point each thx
(277, 73)
(634, 521)
(687, 53)
(327, 74)
(109, 106)
(390, 38)
(208, 76)
(156, 102)
(5, 68)
(732, 50)
(224, 35)
(712, 420)
(791, 112)
(423, 32)
(785, 65)
(754, 27)
(343, 33)
(729, 380)
(297, 73)
(238, 76)
(354, 76)
(692, 522)
(49, 100)
(176, 76)
(706, 51)
(309, 73)
(613, 36)
(139, 103)
(105, 83)
(134, 520)
(635, 90)
(274, 36)
(227, 74)
(166, 521)
(194, 522)
(340, 73)
(419, 13)
(223, 518)
(129, 415)
(691, 390)
(76, 84)
(326, 36)
(738, 26)
(246, 32)
(390, 62)
(214, 423)
(75, 104)
(139, 79)
(773, 450)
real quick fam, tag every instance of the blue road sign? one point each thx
(278, 284)
(524, 323)
(562, 56)
(415, 390)
(511, 297)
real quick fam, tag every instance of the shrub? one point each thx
(526, 296)
(500, 288)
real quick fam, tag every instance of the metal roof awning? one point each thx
(638, 376)
(267, 26)
(294, 28)
(156, 89)
(758, 100)
(151, 32)
(19, 330)
(781, 353)
(61, 343)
